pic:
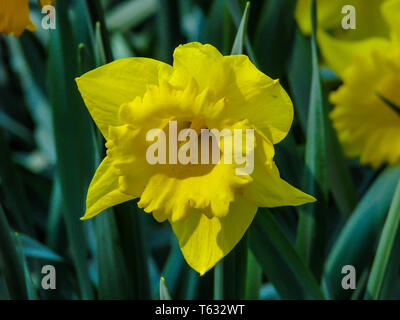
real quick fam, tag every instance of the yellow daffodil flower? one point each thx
(366, 113)
(14, 16)
(209, 207)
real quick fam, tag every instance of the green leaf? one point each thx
(167, 30)
(173, 268)
(340, 182)
(55, 231)
(312, 230)
(129, 14)
(230, 274)
(299, 71)
(253, 278)
(273, 39)
(164, 293)
(238, 44)
(234, 10)
(356, 241)
(100, 55)
(280, 261)
(98, 23)
(31, 290)
(218, 27)
(34, 249)
(74, 145)
(391, 231)
(10, 261)
(129, 219)
(113, 275)
(13, 190)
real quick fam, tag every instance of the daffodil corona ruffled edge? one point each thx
(14, 16)
(209, 207)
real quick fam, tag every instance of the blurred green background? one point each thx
(49, 149)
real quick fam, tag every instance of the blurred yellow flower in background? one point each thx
(14, 16)
(370, 22)
(43, 3)
(208, 206)
(366, 113)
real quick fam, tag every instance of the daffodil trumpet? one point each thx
(209, 206)
(187, 152)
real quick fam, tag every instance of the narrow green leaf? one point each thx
(273, 39)
(361, 231)
(113, 275)
(361, 285)
(73, 136)
(129, 219)
(34, 249)
(129, 14)
(173, 268)
(10, 262)
(31, 290)
(238, 44)
(280, 261)
(391, 230)
(95, 9)
(13, 189)
(230, 275)
(234, 10)
(340, 181)
(100, 55)
(299, 71)
(84, 62)
(219, 281)
(164, 293)
(167, 30)
(312, 230)
(218, 27)
(253, 278)
(55, 232)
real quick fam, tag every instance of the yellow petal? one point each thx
(340, 54)
(205, 241)
(268, 189)
(200, 62)
(249, 93)
(254, 96)
(103, 191)
(391, 12)
(14, 17)
(104, 89)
